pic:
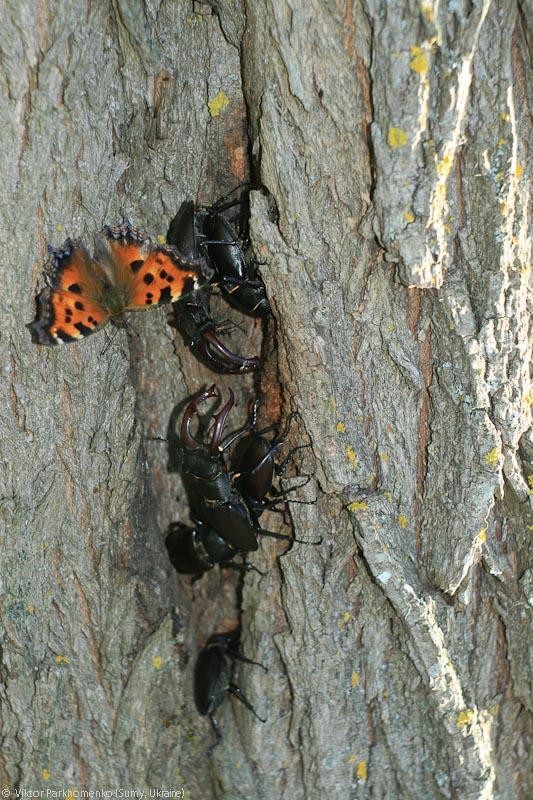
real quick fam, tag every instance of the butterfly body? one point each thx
(128, 273)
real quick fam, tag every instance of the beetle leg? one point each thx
(227, 326)
(244, 567)
(273, 449)
(280, 468)
(226, 242)
(284, 537)
(218, 733)
(234, 436)
(237, 692)
(240, 657)
(219, 205)
(282, 492)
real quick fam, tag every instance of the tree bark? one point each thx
(389, 144)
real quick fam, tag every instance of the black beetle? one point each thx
(192, 316)
(213, 497)
(212, 676)
(194, 551)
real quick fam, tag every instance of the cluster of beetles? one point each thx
(228, 477)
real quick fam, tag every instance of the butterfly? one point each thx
(128, 273)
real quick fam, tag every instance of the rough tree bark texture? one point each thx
(391, 144)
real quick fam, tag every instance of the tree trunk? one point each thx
(390, 147)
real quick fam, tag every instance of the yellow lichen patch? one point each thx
(481, 538)
(59, 228)
(409, 216)
(492, 458)
(161, 238)
(528, 398)
(30, 608)
(440, 192)
(352, 759)
(351, 455)
(388, 496)
(501, 141)
(344, 620)
(362, 771)
(504, 116)
(72, 792)
(518, 171)
(464, 717)
(385, 694)
(218, 103)
(341, 427)
(530, 481)
(427, 10)
(157, 661)
(397, 137)
(355, 679)
(529, 527)
(390, 327)
(62, 660)
(357, 506)
(504, 208)
(419, 60)
(444, 166)
(384, 457)
(45, 775)
(500, 176)
(402, 520)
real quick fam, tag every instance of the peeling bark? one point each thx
(391, 147)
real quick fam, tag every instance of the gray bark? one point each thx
(392, 143)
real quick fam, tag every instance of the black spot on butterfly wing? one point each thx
(165, 295)
(83, 329)
(148, 278)
(74, 288)
(64, 336)
(136, 265)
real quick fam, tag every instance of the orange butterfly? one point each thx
(128, 273)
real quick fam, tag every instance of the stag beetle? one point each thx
(192, 316)
(194, 551)
(212, 676)
(213, 497)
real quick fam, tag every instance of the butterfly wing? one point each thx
(150, 274)
(72, 306)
